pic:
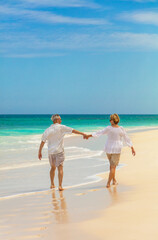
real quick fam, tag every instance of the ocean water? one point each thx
(13, 125)
(20, 170)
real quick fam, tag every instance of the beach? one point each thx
(78, 103)
(89, 210)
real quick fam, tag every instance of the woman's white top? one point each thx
(116, 139)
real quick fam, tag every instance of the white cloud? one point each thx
(62, 3)
(25, 45)
(135, 41)
(145, 17)
(53, 3)
(7, 26)
(48, 17)
(140, 1)
(145, 1)
(34, 55)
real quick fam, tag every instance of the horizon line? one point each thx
(77, 114)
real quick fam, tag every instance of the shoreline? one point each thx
(127, 128)
(46, 163)
(99, 177)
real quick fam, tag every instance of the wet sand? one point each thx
(127, 211)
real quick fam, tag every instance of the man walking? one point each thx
(54, 135)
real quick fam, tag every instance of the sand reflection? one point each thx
(59, 207)
(114, 195)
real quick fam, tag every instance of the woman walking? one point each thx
(116, 136)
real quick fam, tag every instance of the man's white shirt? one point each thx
(54, 135)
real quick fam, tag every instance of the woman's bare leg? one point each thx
(111, 175)
(114, 179)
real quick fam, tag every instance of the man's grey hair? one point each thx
(55, 117)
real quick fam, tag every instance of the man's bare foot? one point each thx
(108, 185)
(61, 188)
(52, 186)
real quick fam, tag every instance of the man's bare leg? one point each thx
(60, 177)
(111, 175)
(52, 175)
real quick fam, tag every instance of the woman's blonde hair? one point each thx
(115, 118)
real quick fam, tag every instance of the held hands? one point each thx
(85, 136)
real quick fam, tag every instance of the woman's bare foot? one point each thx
(61, 188)
(108, 185)
(52, 186)
(115, 182)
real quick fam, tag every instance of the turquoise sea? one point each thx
(22, 173)
(13, 125)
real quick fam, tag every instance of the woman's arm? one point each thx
(128, 142)
(98, 133)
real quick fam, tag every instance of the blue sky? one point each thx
(78, 56)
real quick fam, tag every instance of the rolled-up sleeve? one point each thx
(44, 136)
(126, 139)
(101, 132)
(67, 130)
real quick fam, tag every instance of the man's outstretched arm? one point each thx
(77, 132)
(40, 150)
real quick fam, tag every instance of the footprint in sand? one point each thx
(93, 190)
(44, 223)
(3, 227)
(29, 237)
(43, 217)
(45, 212)
(36, 229)
(18, 209)
(4, 233)
(43, 228)
(10, 215)
(80, 194)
